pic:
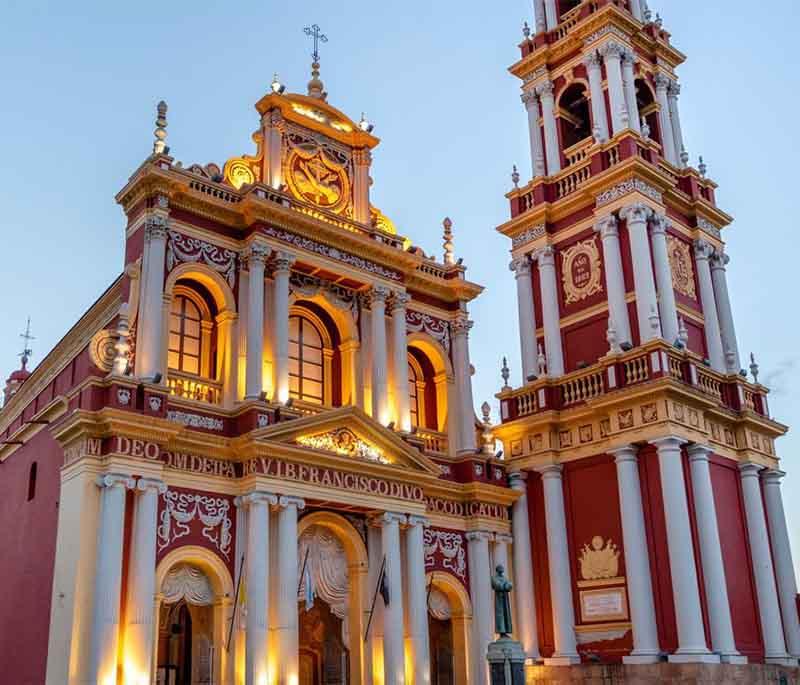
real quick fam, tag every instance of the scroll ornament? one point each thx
(182, 509)
(449, 546)
(181, 249)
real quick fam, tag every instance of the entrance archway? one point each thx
(332, 567)
(449, 620)
(193, 613)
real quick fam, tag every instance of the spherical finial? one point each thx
(316, 89)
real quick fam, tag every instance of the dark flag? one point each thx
(384, 588)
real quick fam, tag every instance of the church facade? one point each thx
(256, 460)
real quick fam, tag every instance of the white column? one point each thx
(417, 600)
(636, 216)
(480, 586)
(597, 97)
(380, 381)
(551, 14)
(664, 120)
(550, 311)
(524, 584)
(393, 624)
(637, 559)
(527, 315)
(608, 228)
(257, 579)
(287, 628)
(636, 10)
(462, 370)
(540, 15)
(362, 158)
(763, 570)
(108, 581)
(566, 651)
(400, 349)
(500, 554)
(149, 337)
(667, 309)
(719, 608)
(685, 589)
(612, 55)
(283, 269)
(730, 344)
(139, 631)
(629, 84)
(531, 102)
(675, 117)
(256, 257)
(552, 148)
(716, 355)
(782, 554)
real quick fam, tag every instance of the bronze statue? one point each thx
(502, 605)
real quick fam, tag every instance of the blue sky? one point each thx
(80, 82)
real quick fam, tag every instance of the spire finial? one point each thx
(754, 367)
(449, 255)
(160, 144)
(316, 89)
(25, 355)
(505, 374)
(515, 176)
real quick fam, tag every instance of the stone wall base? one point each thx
(686, 674)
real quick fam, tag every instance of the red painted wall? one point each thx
(541, 573)
(736, 557)
(591, 498)
(585, 342)
(28, 542)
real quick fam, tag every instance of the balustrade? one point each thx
(193, 388)
(636, 370)
(582, 388)
(435, 442)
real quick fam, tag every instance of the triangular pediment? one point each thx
(350, 433)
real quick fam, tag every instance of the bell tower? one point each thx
(635, 436)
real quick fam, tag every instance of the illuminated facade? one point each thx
(255, 460)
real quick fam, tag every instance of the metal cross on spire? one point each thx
(26, 350)
(316, 33)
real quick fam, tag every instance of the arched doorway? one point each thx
(332, 565)
(449, 621)
(194, 612)
(186, 650)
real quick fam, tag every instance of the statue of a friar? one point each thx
(502, 605)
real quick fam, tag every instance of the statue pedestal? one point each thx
(506, 662)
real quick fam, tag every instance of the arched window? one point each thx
(413, 391)
(185, 335)
(565, 6)
(574, 117)
(32, 481)
(306, 361)
(648, 109)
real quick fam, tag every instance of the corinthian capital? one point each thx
(379, 294)
(663, 82)
(674, 89)
(155, 228)
(283, 262)
(636, 213)
(546, 256)
(362, 157)
(529, 99)
(607, 226)
(659, 224)
(545, 89)
(592, 60)
(256, 254)
(703, 249)
(521, 266)
(462, 325)
(612, 50)
(399, 302)
(719, 260)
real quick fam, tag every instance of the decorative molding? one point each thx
(581, 271)
(527, 236)
(102, 349)
(600, 561)
(629, 186)
(680, 263)
(344, 442)
(438, 329)
(195, 420)
(445, 549)
(705, 225)
(605, 31)
(181, 248)
(331, 253)
(182, 509)
(187, 582)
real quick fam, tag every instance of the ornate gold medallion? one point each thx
(680, 262)
(601, 560)
(314, 177)
(581, 271)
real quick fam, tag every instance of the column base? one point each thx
(562, 660)
(737, 659)
(641, 658)
(693, 658)
(781, 661)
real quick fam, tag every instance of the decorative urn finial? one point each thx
(160, 144)
(449, 255)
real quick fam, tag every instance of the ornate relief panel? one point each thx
(317, 172)
(181, 248)
(581, 271)
(680, 262)
(445, 550)
(439, 330)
